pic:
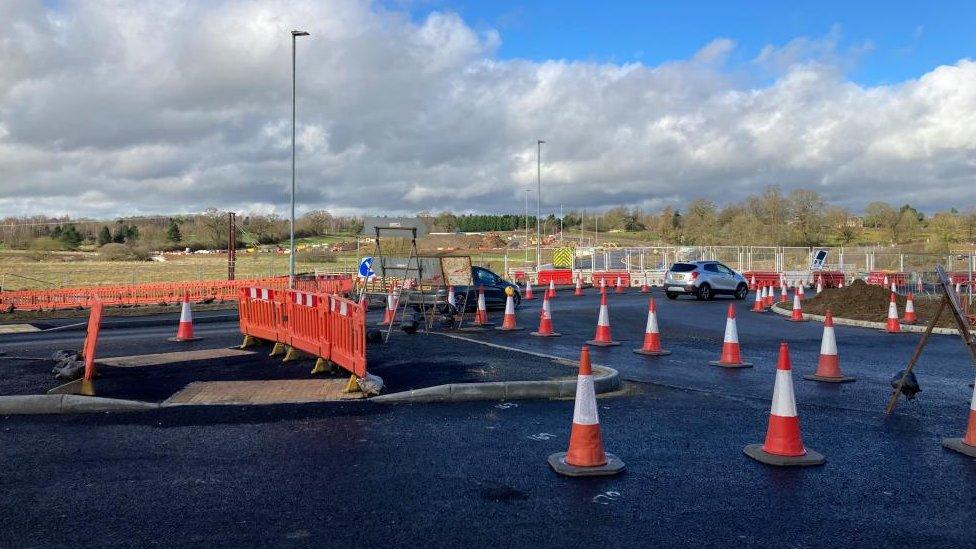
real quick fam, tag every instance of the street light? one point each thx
(291, 255)
(526, 260)
(538, 217)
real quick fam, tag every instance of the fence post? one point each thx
(901, 263)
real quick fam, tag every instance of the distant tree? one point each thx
(104, 236)
(806, 209)
(318, 222)
(446, 222)
(70, 237)
(945, 229)
(173, 233)
(216, 227)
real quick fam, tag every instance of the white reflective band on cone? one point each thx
(828, 346)
(509, 306)
(585, 411)
(651, 323)
(972, 403)
(892, 310)
(185, 312)
(731, 332)
(604, 319)
(783, 403)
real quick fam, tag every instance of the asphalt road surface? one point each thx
(475, 474)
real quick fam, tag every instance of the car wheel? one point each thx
(741, 292)
(704, 293)
(671, 295)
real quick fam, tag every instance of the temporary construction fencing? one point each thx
(161, 293)
(329, 327)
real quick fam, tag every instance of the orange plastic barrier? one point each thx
(261, 315)
(331, 327)
(611, 278)
(163, 293)
(91, 341)
(877, 278)
(762, 278)
(346, 334)
(562, 277)
(305, 322)
(831, 279)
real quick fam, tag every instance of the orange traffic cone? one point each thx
(508, 322)
(731, 356)
(752, 283)
(828, 367)
(757, 305)
(551, 293)
(819, 284)
(545, 321)
(579, 286)
(783, 296)
(389, 315)
(528, 290)
(652, 337)
(967, 444)
(644, 287)
(797, 315)
(603, 285)
(481, 315)
(602, 337)
(910, 317)
(784, 445)
(799, 291)
(585, 456)
(185, 330)
(893, 327)
(768, 302)
(886, 280)
(619, 289)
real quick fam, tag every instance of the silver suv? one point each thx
(704, 280)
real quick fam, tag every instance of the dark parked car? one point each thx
(494, 286)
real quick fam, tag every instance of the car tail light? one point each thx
(694, 275)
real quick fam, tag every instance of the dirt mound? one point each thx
(492, 241)
(861, 301)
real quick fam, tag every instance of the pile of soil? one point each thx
(492, 241)
(861, 301)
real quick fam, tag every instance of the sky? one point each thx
(138, 107)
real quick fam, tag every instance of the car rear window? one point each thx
(682, 268)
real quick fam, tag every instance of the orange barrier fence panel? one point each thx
(306, 322)
(261, 316)
(346, 333)
(610, 278)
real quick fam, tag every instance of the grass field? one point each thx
(22, 272)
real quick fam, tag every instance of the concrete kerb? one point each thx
(605, 380)
(68, 404)
(865, 323)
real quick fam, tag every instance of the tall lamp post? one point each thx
(538, 212)
(526, 260)
(291, 253)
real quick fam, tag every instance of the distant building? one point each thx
(370, 223)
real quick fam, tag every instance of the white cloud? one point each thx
(115, 108)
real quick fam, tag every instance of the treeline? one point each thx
(142, 235)
(448, 222)
(799, 218)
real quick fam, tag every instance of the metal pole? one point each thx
(291, 249)
(526, 261)
(560, 223)
(538, 222)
